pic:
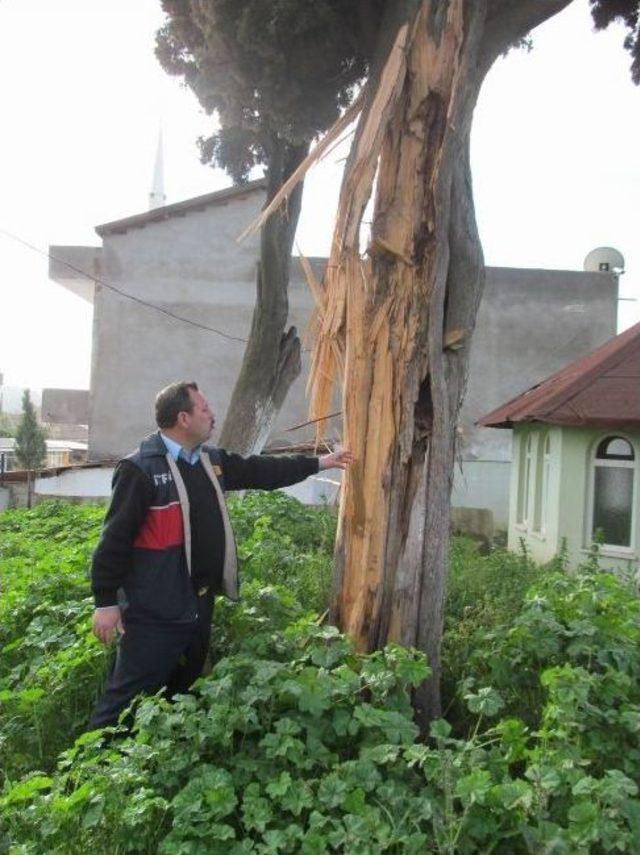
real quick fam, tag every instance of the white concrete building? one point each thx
(183, 259)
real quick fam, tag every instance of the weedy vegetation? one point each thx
(294, 742)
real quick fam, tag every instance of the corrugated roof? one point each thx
(601, 389)
(178, 209)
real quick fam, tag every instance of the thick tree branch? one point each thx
(510, 20)
(271, 360)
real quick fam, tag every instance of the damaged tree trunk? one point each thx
(397, 324)
(271, 359)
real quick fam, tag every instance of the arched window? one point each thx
(543, 467)
(613, 491)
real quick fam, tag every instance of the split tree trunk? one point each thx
(398, 324)
(271, 359)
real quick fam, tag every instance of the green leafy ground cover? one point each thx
(293, 742)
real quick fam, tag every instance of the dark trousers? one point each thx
(152, 656)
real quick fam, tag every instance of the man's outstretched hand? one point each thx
(336, 460)
(107, 623)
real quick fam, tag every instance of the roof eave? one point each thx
(178, 209)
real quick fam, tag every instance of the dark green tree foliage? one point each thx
(626, 12)
(276, 74)
(281, 69)
(31, 448)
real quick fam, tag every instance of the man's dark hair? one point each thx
(172, 400)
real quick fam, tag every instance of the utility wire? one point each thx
(166, 312)
(119, 291)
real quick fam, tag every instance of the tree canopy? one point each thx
(31, 448)
(626, 12)
(281, 69)
(287, 68)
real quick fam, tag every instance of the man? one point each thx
(167, 544)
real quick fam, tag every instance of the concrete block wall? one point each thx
(193, 267)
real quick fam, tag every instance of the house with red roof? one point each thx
(576, 453)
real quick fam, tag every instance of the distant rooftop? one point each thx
(179, 209)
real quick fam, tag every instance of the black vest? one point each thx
(160, 588)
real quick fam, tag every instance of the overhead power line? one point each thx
(119, 291)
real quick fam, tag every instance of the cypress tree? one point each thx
(30, 448)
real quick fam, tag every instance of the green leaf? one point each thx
(474, 787)
(26, 789)
(584, 813)
(440, 729)
(514, 794)
(410, 666)
(486, 701)
(585, 786)
(297, 798)
(256, 810)
(279, 787)
(332, 790)
(355, 802)
(545, 777)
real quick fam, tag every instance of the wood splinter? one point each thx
(454, 339)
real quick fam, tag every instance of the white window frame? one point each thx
(527, 470)
(612, 549)
(541, 493)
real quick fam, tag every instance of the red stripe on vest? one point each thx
(161, 528)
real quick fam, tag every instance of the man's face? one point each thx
(200, 421)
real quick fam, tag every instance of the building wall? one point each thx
(570, 488)
(65, 406)
(94, 483)
(86, 483)
(192, 266)
(531, 323)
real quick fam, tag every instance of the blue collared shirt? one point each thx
(176, 450)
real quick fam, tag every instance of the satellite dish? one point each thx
(604, 259)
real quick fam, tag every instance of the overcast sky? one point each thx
(555, 159)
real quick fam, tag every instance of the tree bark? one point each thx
(271, 359)
(398, 324)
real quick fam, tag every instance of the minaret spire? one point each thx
(157, 197)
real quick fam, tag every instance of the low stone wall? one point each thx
(473, 522)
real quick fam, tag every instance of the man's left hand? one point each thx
(336, 460)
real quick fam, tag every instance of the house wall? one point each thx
(541, 541)
(570, 491)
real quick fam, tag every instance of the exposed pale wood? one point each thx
(395, 322)
(314, 286)
(375, 309)
(454, 339)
